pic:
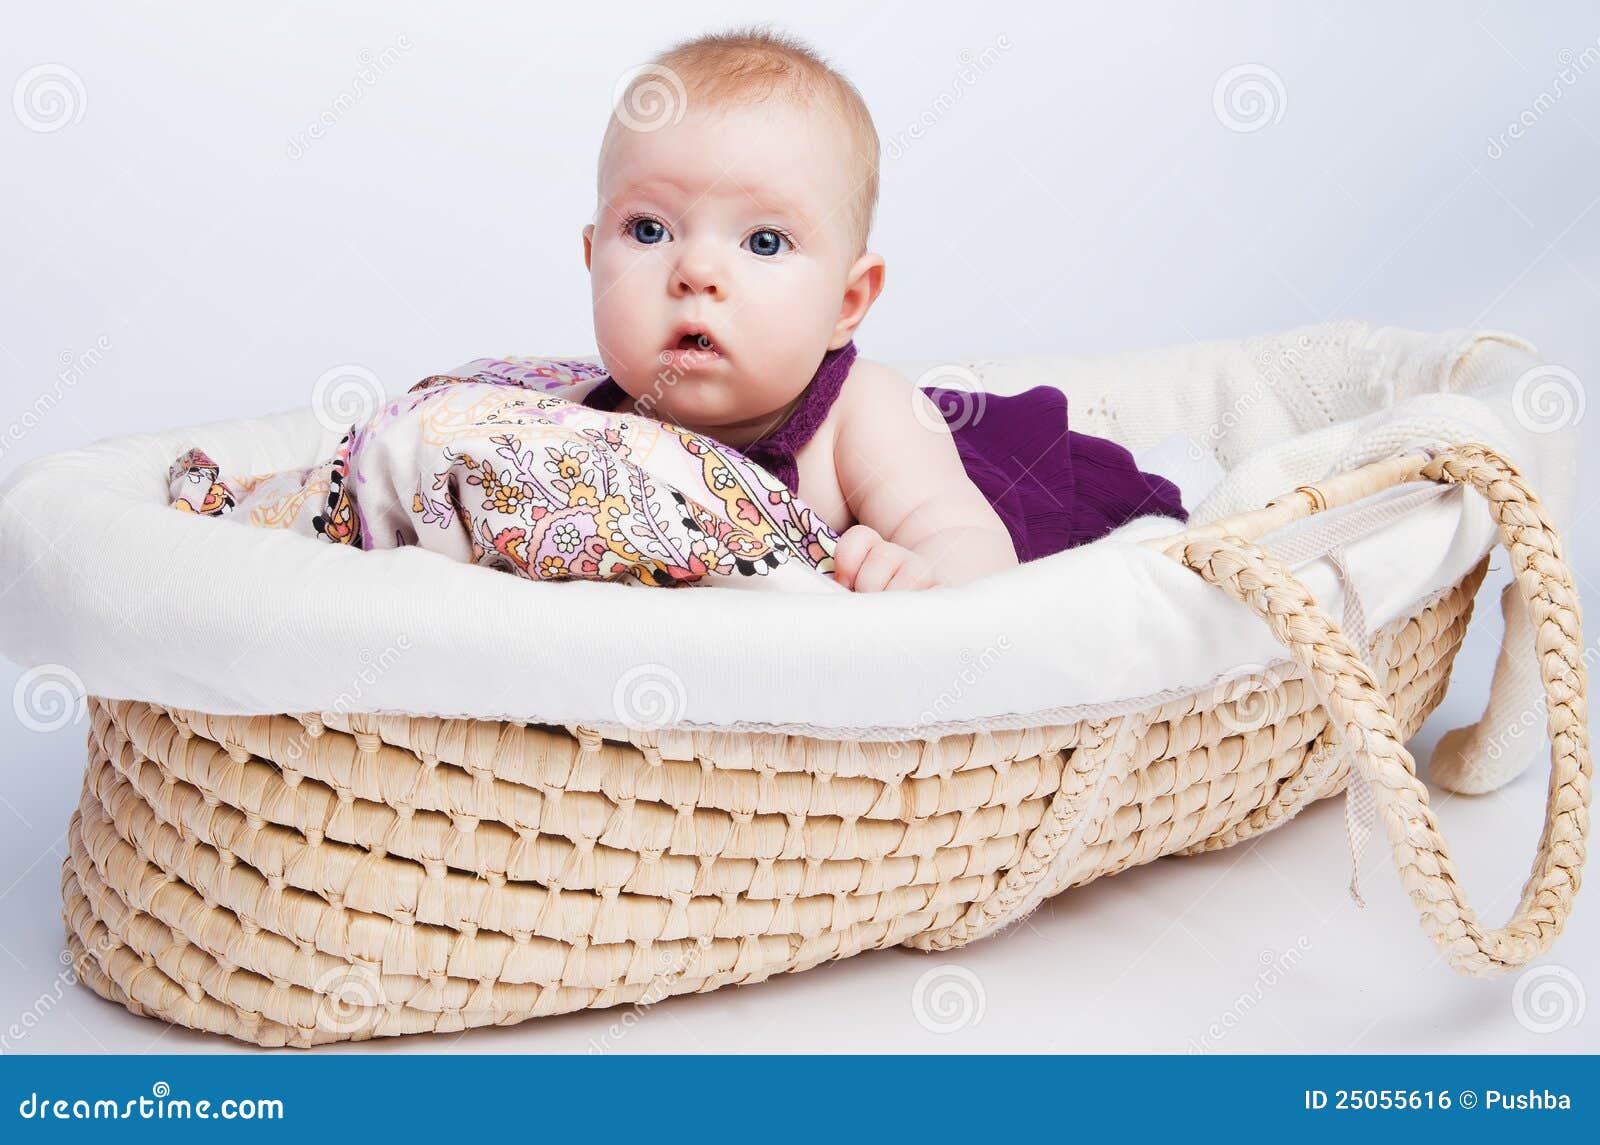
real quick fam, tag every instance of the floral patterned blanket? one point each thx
(497, 468)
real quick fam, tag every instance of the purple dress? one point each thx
(1052, 486)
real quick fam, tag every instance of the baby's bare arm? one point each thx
(901, 476)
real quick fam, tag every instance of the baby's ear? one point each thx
(588, 244)
(861, 289)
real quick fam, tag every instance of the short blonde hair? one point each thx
(748, 65)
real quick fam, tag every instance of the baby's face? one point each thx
(735, 221)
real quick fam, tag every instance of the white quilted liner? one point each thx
(143, 602)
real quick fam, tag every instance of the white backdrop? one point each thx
(203, 213)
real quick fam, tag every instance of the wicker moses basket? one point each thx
(311, 877)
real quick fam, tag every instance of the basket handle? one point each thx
(1357, 707)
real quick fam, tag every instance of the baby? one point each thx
(737, 183)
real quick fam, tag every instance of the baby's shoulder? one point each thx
(867, 372)
(879, 396)
(873, 384)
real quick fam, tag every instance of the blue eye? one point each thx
(768, 242)
(646, 230)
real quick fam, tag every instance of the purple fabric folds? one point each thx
(1054, 488)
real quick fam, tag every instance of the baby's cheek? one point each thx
(614, 268)
(618, 308)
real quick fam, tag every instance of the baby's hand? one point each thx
(865, 562)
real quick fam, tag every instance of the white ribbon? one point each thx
(1360, 807)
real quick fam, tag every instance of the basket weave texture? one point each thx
(295, 880)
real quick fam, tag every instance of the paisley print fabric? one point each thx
(495, 466)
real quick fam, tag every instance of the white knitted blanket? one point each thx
(1085, 633)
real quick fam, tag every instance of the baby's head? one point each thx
(737, 182)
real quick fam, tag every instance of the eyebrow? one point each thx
(767, 198)
(656, 182)
(774, 200)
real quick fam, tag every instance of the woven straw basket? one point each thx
(294, 880)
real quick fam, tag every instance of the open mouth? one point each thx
(692, 349)
(695, 341)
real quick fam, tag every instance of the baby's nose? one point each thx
(697, 273)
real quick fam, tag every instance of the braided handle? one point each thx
(1358, 708)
